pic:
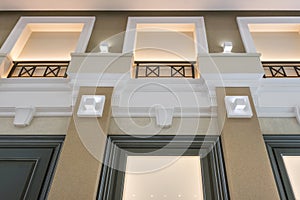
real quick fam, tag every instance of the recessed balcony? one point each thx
(39, 69)
(164, 69)
(281, 69)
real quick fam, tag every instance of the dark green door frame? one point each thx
(278, 146)
(120, 146)
(27, 164)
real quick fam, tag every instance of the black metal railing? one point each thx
(164, 69)
(281, 69)
(38, 69)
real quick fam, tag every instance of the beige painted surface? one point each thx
(38, 126)
(164, 46)
(248, 169)
(49, 46)
(278, 46)
(282, 125)
(79, 166)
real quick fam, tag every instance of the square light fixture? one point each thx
(227, 47)
(91, 106)
(238, 107)
(104, 47)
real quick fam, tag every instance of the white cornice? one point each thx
(154, 5)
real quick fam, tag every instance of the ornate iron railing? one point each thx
(164, 69)
(281, 69)
(38, 69)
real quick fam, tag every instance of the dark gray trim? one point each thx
(207, 147)
(278, 146)
(51, 144)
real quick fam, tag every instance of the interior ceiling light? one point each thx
(238, 107)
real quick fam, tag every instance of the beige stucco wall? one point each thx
(79, 166)
(38, 126)
(248, 169)
(280, 126)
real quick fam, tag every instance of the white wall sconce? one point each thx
(227, 47)
(104, 47)
(91, 106)
(238, 107)
(23, 116)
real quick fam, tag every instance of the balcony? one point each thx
(164, 69)
(281, 69)
(39, 69)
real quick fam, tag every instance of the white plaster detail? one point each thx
(238, 107)
(91, 106)
(297, 110)
(23, 116)
(164, 116)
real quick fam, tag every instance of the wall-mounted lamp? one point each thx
(91, 106)
(104, 47)
(238, 107)
(227, 47)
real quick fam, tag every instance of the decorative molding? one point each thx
(178, 112)
(24, 116)
(40, 111)
(297, 111)
(164, 117)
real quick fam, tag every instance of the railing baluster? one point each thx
(37, 69)
(158, 69)
(282, 69)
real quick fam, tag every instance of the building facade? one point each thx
(150, 105)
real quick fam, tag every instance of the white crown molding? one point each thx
(40, 111)
(178, 112)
